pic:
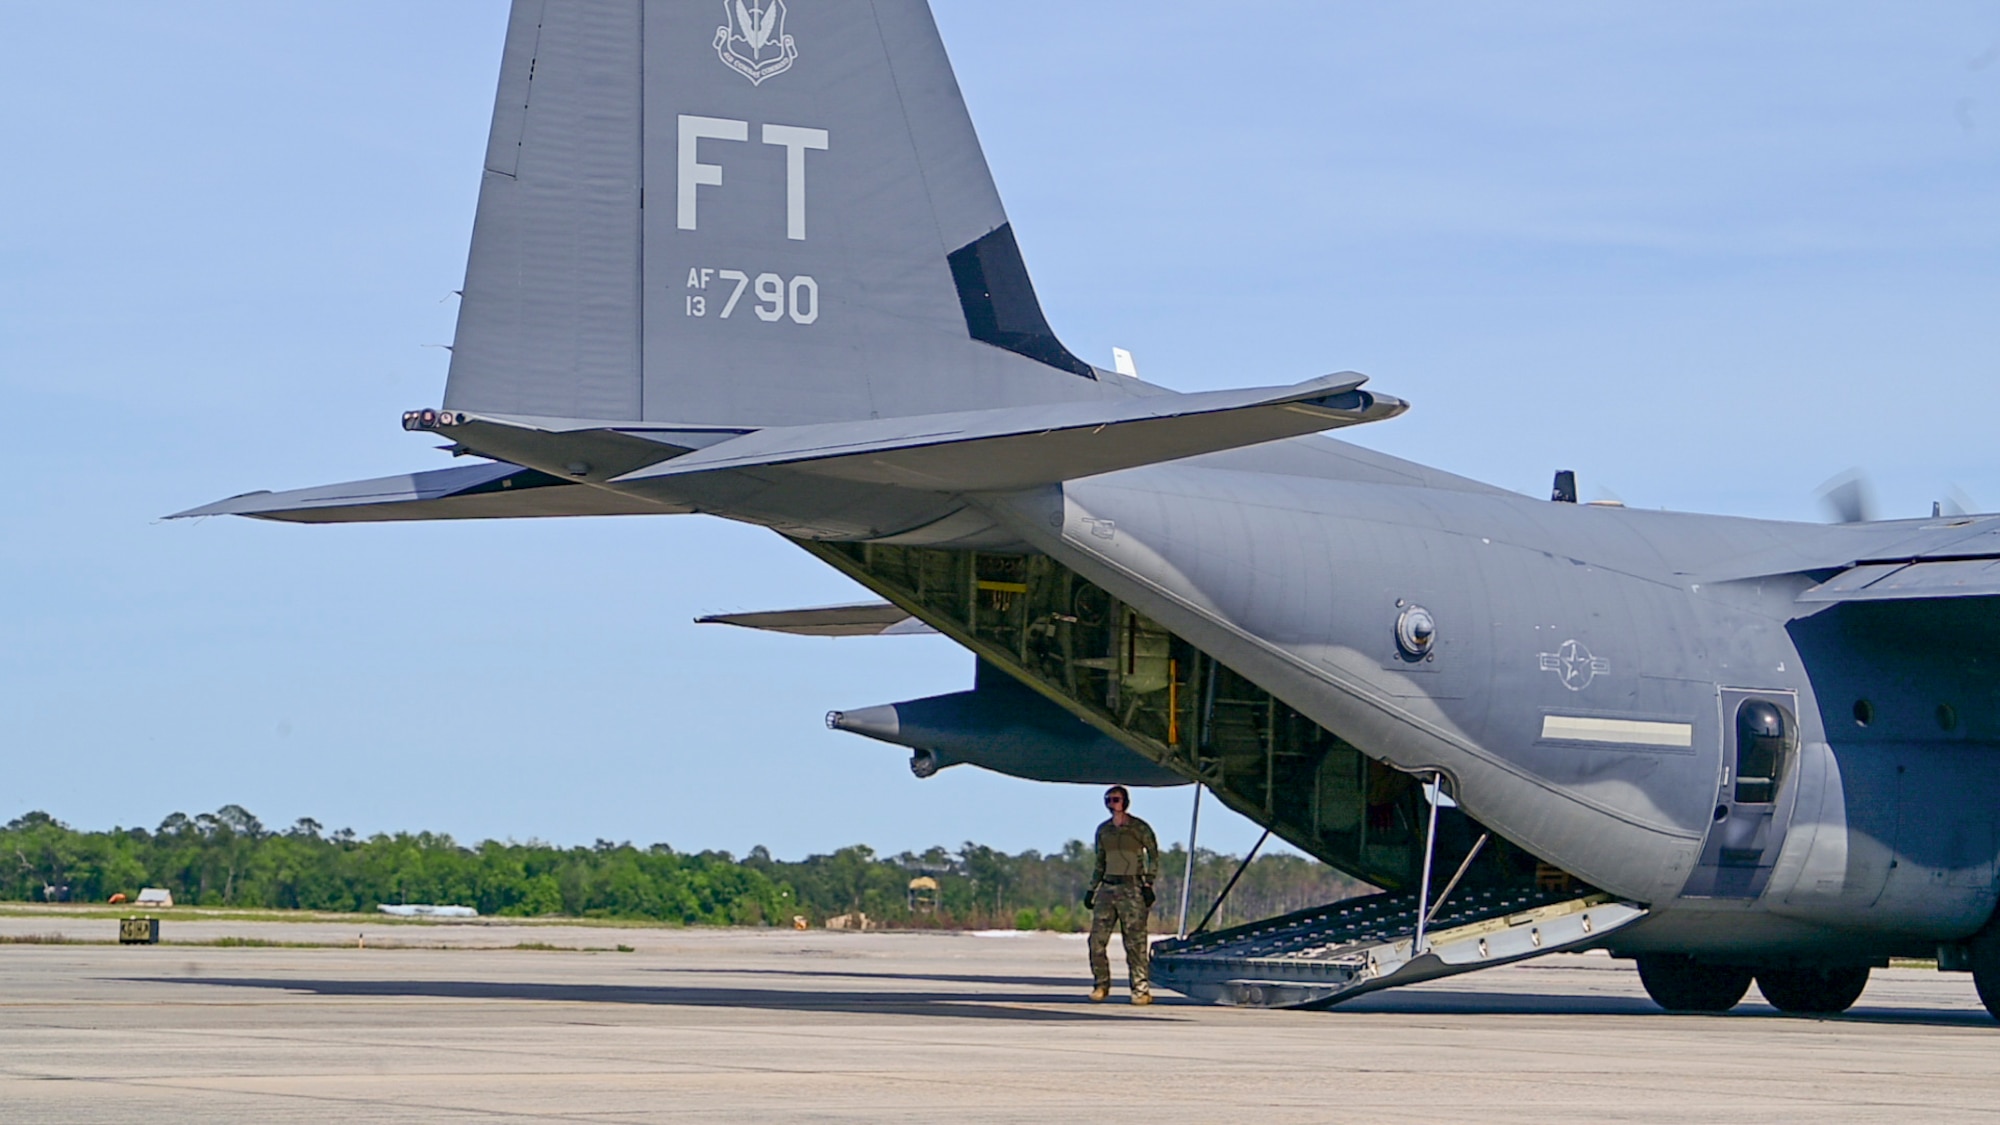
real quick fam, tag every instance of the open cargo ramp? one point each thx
(1316, 958)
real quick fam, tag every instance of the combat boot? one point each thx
(1100, 994)
(1142, 998)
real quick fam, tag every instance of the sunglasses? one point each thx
(1114, 800)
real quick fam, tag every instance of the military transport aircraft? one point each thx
(746, 259)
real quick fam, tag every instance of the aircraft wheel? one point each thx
(1819, 992)
(1680, 983)
(1986, 975)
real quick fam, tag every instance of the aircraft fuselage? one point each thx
(1581, 686)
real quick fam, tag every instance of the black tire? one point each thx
(1816, 992)
(1986, 975)
(1680, 983)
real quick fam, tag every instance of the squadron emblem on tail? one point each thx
(752, 40)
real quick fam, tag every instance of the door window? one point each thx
(1765, 740)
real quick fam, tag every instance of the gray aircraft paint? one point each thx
(1577, 690)
(550, 319)
(1004, 726)
(593, 252)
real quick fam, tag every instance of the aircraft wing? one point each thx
(866, 619)
(1909, 581)
(1019, 447)
(482, 491)
(1958, 560)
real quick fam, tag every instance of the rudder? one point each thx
(743, 214)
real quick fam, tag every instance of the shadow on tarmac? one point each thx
(1069, 1006)
(955, 1005)
(1443, 1002)
(1078, 983)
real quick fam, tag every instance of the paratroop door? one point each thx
(1754, 794)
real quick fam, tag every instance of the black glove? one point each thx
(1146, 892)
(1090, 897)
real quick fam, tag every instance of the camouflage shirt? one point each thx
(1130, 852)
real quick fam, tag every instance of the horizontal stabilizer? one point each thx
(483, 491)
(1019, 447)
(868, 619)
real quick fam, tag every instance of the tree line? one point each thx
(229, 858)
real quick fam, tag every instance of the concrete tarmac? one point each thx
(451, 1023)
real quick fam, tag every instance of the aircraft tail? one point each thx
(744, 213)
(726, 244)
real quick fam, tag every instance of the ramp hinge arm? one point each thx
(1231, 884)
(1417, 946)
(1464, 866)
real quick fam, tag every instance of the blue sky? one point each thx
(1708, 254)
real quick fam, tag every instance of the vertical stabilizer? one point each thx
(549, 324)
(742, 212)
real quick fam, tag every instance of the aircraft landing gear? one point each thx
(1818, 992)
(1679, 983)
(1986, 974)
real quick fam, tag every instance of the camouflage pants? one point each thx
(1119, 906)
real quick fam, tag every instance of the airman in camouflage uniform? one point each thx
(1121, 896)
